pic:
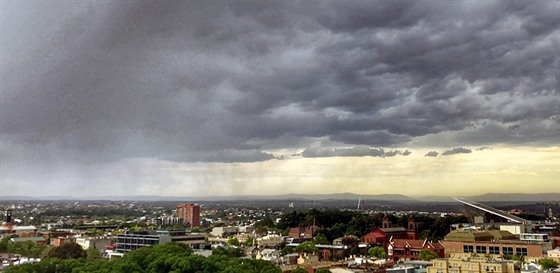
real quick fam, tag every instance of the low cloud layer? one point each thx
(432, 154)
(458, 150)
(351, 152)
(96, 82)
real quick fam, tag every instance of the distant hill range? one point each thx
(522, 197)
(489, 197)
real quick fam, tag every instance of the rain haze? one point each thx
(213, 98)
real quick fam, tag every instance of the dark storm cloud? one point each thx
(457, 150)
(354, 151)
(432, 154)
(203, 81)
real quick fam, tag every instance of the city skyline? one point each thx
(265, 98)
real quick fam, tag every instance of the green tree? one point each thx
(167, 258)
(519, 258)
(232, 241)
(287, 250)
(4, 244)
(548, 264)
(229, 252)
(321, 239)
(351, 242)
(307, 247)
(507, 257)
(145, 255)
(323, 270)
(426, 255)
(265, 222)
(377, 252)
(67, 251)
(27, 249)
(93, 254)
(249, 242)
(299, 270)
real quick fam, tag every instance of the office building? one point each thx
(472, 264)
(494, 242)
(133, 240)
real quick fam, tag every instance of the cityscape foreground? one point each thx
(462, 236)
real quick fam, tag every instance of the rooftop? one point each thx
(25, 239)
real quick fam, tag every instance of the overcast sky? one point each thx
(205, 98)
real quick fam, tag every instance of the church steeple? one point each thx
(386, 223)
(411, 222)
(412, 230)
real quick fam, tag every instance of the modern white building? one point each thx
(94, 242)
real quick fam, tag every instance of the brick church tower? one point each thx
(412, 229)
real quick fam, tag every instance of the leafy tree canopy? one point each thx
(426, 255)
(167, 258)
(548, 264)
(307, 247)
(67, 251)
(377, 252)
(232, 241)
(299, 270)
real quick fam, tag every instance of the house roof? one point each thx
(502, 235)
(401, 243)
(24, 228)
(468, 236)
(410, 243)
(25, 239)
(393, 229)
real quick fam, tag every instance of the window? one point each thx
(494, 249)
(468, 249)
(481, 249)
(507, 250)
(521, 251)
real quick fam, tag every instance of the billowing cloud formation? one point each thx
(354, 151)
(432, 154)
(92, 82)
(457, 150)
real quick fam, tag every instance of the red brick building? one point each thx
(493, 242)
(61, 240)
(302, 232)
(382, 236)
(190, 213)
(405, 249)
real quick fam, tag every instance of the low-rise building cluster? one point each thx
(480, 246)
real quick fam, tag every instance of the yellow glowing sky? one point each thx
(499, 170)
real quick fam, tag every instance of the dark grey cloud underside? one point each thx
(457, 150)
(432, 154)
(351, 152)
(203, 81)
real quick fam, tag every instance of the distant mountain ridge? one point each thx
(488, 197)
(499, 197)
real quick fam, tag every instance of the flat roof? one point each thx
(33, 239)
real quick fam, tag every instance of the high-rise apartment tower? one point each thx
(190, 213)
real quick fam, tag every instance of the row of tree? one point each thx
(167, 258)
(336, 223)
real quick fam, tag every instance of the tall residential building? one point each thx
(190, 213)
